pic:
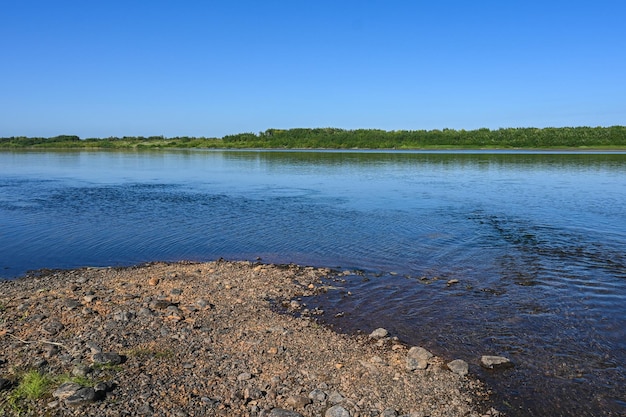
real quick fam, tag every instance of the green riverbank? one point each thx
(567, 138)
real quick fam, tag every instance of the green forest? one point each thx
(613, 137)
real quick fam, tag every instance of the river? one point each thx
(536, 241)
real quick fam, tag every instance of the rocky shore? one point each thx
(196, 339)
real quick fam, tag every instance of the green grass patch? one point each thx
(32, 386)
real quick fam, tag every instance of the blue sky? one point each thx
(212, 68)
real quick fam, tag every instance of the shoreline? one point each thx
(189, 339)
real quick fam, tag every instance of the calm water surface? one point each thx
(537, 242)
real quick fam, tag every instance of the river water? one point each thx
(537, 242)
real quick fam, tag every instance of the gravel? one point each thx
(196, 339)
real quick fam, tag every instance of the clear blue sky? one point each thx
(211, 68)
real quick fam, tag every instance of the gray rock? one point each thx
(244, 376)
(202, 303)
(337, 411)
(50, 351)
(280, 412)
(83, 396)
(145, 312)
(71, 304)
(173, 310)
(81, 370)
(123, 316)
(160, 304)
(459, 366)
(495, 362)
(53, 327)
(94, 347)
(66, 390)
(335, 398)
(176, 291)
(389, 412)
(89, 298)
(417, 358)
(419, 353)
(379, 333)
(413, 364)
(252, 393)
(107, 358)
(103, 387)
(297, 401)
(317, 395)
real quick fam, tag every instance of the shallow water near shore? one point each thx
(537, 242)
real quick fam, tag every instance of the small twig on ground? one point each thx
(33, 341)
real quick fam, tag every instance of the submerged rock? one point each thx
(495, 362)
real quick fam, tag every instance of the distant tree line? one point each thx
(333, 138)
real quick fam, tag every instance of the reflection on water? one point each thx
(537, 242)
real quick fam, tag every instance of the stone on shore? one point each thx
(66, 390)
(107, 359)
(83, 395)
(337, 411)
(379, 333)
(280, 412)
(417, 358)
(459, 367)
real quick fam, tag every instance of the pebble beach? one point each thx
(208, 339)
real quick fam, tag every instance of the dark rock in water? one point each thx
(107, 358)
(459, 367)
(279, 412)
(495, 362)
(82, 396)
(337, 411)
